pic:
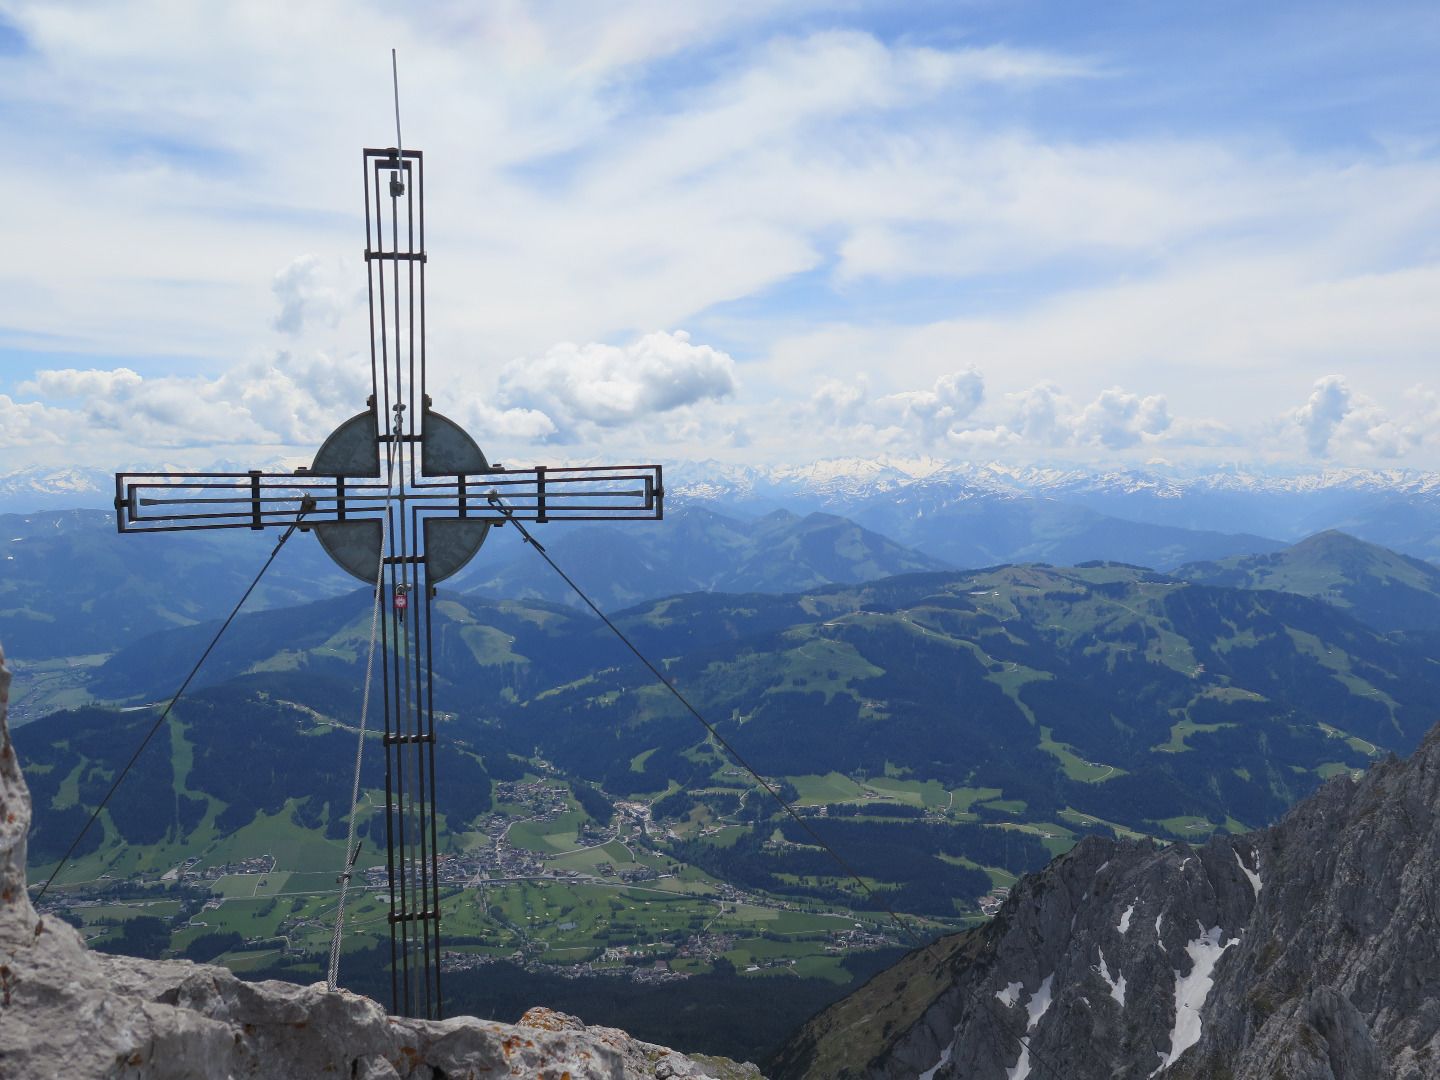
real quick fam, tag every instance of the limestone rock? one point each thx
(1307, 950)
(67, 1013)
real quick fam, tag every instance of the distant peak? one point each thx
(1332, 539)
(779, 517)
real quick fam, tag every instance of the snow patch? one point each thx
(929, 1074)
(1191, 991)
(1124, 925)
(1035, 1007)
(1040, 1002)
(1117, 986)
(1253, 875)
(1158, 920)
(1010, 995)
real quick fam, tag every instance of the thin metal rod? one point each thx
(395, 80)
(434, 839)
(370, 292)
(422, 789)
(397, 810)
(416, 403)
(390, 782)
(165, 713)
(420, 179)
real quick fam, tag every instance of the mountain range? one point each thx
(70, 586)
(1397, 508)
(980, 514)
(696, 550)
(1389, 592)
(1064, 700)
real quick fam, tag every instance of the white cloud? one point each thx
(917, 417)
(68, 383)
(610, 386)
(1318, 418)
(930, 414)
(312, 293)
(485, 422)
(294, 399)
(1118, 420)
(954, 413)
(1336, 418)
(290, 399)
(29, 423)
(1039, 414)
(838, 402)
(285, 399)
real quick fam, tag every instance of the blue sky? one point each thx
(1031, 231)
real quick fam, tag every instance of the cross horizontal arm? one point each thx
(180, 502)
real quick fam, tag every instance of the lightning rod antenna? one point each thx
(397, 183)
(395, 80)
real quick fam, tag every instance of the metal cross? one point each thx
(400, 477)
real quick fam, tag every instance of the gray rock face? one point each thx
(1308, 950)
(66, 1012)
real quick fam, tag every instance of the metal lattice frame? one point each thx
(420, 470)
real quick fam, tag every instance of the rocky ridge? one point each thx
(1307, 950)
(68, 1012)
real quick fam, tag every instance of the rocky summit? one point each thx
(67, 1012)
(1308, 951)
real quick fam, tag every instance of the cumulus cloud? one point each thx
(29, 423)
(310, 294)
(1322, 413)
(282, 399)
(979, 441)
(485, 422)
(611, 386)
(73, 383)
(1334, 421)
(1039, 415)
(953, 413)
(932, 413)
(295, 397)
(919, 416)
(1334, 418)
(838, 402)
(1118, 419)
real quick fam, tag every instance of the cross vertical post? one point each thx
(398, 496)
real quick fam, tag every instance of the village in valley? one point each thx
(538, 883)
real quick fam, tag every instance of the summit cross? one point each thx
(401, 497)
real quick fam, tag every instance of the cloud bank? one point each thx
(610, 386)
(906, 224)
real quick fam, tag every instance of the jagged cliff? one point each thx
(66, 1012)
(1308, 951)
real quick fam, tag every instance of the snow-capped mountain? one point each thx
(41, 487)
(857, 476)
(59, 487)
(1399, 508)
